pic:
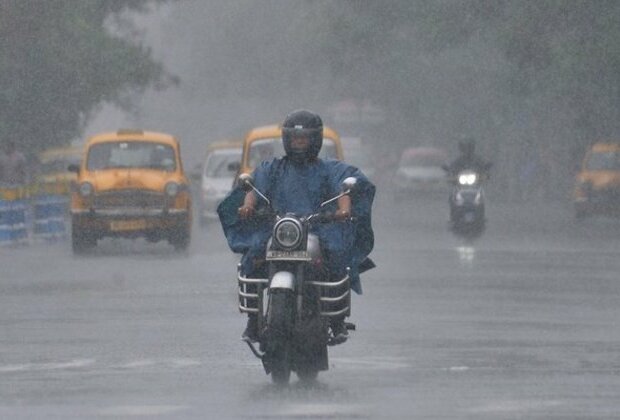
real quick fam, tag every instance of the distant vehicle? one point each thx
(357, 154)
(265, 143)
(218, 173)
(467, 202)
(53, 177)
(420, 172)
(597, 185)
(131, 183)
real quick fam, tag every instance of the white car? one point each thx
(218, 173)
(419, 172)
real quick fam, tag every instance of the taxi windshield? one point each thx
(604, 161)
(267, 149)
(131, 154)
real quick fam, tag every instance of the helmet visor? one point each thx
(298, 131)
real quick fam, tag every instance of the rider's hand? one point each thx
(342, 215)
(344, 209)
(245, 212)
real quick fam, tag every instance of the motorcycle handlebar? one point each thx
(329, 217)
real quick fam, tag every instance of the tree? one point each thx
(59, 61)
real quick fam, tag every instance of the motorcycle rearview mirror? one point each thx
(348, 185)
(246, 182)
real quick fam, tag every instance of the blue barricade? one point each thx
(13, 221)
(49, 216)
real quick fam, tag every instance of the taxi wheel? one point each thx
(180, 238)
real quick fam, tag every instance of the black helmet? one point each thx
(467, 146)
(302, 123)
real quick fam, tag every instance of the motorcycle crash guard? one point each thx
(282, 280)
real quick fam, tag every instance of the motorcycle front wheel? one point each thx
(279, 320)
(307, 374)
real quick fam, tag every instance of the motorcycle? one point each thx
(467, 204)
(296, 301)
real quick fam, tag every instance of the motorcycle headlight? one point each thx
(172, 189)
(287, 233)
(86, 189)
(468, 178)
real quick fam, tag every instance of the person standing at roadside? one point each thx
(13, 166)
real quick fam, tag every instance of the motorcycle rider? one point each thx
(467, 160)
(299, 182)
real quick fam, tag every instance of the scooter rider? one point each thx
(298, 183)
(468, 159)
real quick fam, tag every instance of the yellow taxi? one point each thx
(597, 185)
(131, 183)
(53, 176)
(265, 143)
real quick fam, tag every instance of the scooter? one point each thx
(296, 301)
(467, 204)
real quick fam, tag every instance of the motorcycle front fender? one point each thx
(282, 280)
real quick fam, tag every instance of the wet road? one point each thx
(522, 323)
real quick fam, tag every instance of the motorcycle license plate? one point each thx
(123, 225)
(288, 255)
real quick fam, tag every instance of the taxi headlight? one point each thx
(172, 189)
(287, 233)
(86, 189)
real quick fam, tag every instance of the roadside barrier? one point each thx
(36, 211)
(13, 209)
(49, 215)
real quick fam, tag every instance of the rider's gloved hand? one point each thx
(245, 212)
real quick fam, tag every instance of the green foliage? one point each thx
(58, 62)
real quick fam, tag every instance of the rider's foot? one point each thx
(340, 334)
(251, 330)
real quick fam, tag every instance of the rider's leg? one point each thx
(251, 329)
(334, 262)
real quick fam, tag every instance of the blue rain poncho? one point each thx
(300, 188)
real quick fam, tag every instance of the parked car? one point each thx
(419, 172)
(597, 185)
(218, 173)
(131, 183)
(265, 143)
